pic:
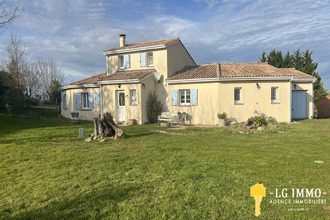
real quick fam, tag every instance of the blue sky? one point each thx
(75, 32)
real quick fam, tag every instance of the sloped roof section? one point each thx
(89, 80)
(129, 75)
(297, 74)
(230, 70)
(147, 44)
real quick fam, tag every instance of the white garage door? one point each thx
(299, 104)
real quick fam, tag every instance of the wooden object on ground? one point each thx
(105, 128)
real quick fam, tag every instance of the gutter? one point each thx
(82, 86)
(309, 80)
(229, 79)
(129, 50)
(123, 81)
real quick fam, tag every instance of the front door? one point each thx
(299, 104)
(120, 106)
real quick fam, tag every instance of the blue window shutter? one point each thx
(97, 98)
(194, 97)
(77, 101)
(174, 97)
(143, 59)
(90, 97)
(126, 61)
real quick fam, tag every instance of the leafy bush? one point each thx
(223, 115)
(154, 107)
(260, 120)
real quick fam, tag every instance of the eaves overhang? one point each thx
(82, 86)
(228, 79)
(137, 49)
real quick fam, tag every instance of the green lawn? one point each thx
(48, 172)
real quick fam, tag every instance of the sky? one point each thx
(74, 33)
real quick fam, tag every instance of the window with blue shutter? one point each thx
(143, 59)
(90, 97)
(194, 97)
(77, 101)
(97, 98)
(174, 97)
(126, 61)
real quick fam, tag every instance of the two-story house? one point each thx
(202, 91)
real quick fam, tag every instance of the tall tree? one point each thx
(14, 72)
(48, 71)
(301, 61)
(6, 16)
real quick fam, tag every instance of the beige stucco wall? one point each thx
(110, 101)
(83, 114)
(177, 58)
(218, 97)
(207, 107)
(310, 95)
(159, 58)
(255, 100)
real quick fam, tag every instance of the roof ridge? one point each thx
(154, 42)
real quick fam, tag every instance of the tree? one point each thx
(301, 61)
(48, 71)
(14, 73)
(6, 17)
(54, 92)
(154, 107)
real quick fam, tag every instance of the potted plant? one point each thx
(222, 118)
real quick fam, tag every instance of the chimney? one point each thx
(122, 40)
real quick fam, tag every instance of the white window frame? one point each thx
(240, 100)
(276, 98)
(185, 100)
(133, 100)
(121, 62)
(148, 59)
(84, 100)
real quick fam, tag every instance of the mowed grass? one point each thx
(48, 172)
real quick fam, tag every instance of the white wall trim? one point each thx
(110, 82)
(137, 49)
(101, 101)
(310, 80)
(82, 86)
(290, 101)
(228, 79)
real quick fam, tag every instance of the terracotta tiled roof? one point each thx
(89, 80)
(129, 74)
(227, 70)
(146, 44)
(298, 74)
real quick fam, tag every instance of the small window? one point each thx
(84, 101)
(274, 94)
(238, 95)
(133, 97)
(150, 59)
(185, 97)
(121, 62)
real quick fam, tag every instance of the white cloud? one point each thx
(75, 32)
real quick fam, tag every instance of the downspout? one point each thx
(101, 100)
(290, 100)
